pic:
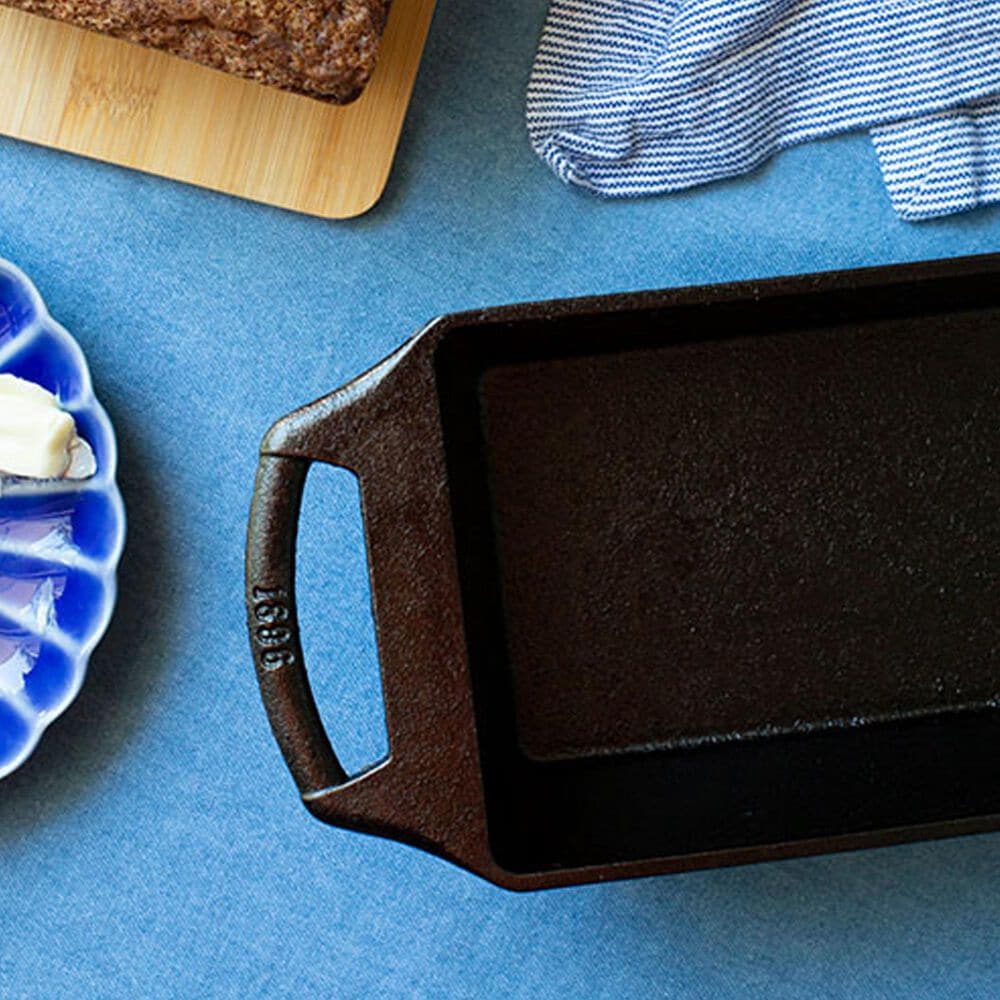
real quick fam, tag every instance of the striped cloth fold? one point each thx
(633, 97)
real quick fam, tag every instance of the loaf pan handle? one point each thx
(384, 427)
(272, 619)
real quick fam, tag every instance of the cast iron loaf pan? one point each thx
(665, 581)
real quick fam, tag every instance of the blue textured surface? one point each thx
(153, 845)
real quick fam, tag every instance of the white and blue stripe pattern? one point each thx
(631, 97)
(944, 162)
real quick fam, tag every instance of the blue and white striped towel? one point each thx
(631, 97)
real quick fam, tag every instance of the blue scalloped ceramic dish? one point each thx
(60, 541)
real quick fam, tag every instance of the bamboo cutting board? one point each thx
(79, 91)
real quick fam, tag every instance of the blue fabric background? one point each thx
(154, 845)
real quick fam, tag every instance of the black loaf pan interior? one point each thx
(730, 571)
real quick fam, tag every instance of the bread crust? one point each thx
(322, 48)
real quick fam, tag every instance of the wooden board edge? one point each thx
(422, 16)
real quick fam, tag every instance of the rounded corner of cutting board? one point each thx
(113, 101)
(365, 203)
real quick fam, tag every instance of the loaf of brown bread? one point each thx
(322, 48)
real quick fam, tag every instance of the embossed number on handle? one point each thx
(273, 625)
(274, 631)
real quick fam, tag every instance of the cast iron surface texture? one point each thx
(668, 580)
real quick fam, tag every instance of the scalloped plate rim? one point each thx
(109, 574)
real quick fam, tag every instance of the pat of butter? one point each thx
(38, 440)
